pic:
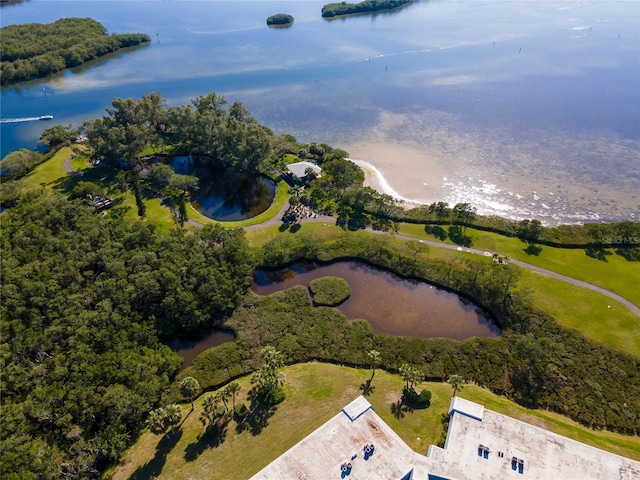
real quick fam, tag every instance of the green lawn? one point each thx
(315, 393)
(615, 274)
(49, 172)
(594, 315)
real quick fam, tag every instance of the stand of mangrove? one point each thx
(37, 50)
(331, 10)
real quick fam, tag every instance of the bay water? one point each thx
(527, 109)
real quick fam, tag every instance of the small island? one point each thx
(367, 6)
(36, 50)
(280, 20)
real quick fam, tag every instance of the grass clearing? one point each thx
(615, 274)
(315, 393)
(49, 172)
(594, 315)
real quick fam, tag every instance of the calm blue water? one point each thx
(545, 122)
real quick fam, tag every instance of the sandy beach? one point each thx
(429, 156)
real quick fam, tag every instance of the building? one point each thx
(357, 444)
(303, 171)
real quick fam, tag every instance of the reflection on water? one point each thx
(190, 349)
(225, 197)
(525, 109)
(392, 305)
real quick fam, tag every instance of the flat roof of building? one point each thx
(475, 449)
(470, 409)
(544, 455)
(342, 441)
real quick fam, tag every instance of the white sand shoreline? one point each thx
(376, 180)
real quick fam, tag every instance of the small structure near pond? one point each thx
(301, 172)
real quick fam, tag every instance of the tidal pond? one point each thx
(391, 304)
(224, 197)
(190, 349)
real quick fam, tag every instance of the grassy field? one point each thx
(315, 393)
(594, 315)
(615, 274)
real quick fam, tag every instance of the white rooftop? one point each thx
(471, 409)
(342, 440)
(545, 455)
(299, 169)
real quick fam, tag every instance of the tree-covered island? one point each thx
(37, 50)
(367, 6)
(280, 20)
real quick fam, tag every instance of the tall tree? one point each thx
(374, 360)
(411, 374)
(269, 377)
(190, 388)
(232, 389)
(457, 382)
(210, 411)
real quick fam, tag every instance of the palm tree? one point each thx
(374, 360)
(210, 412)
(457, 382)
(190, 388)
(173, 416)
(233, 388)
(410, 374)
(156, 421)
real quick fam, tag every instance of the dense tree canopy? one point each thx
(85, 299)
(280, 19)
(230, 137)
(36, 50)
(366, 6)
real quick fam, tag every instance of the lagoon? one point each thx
(523, 108)
(392, 305)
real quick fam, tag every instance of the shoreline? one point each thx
(488, 198)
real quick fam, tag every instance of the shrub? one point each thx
(329, 291)
(411, 397)
(241, 410)
(272, 396)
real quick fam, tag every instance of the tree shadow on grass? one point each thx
(154, 467)
(258, 417)
(399, 409)
(458, 236)
(366, 387)
(437, 231)
(598, 253)
(213, 436)
(532, 249)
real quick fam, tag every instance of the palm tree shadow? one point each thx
(154, 467)
(399, 409)
(366, 387)
(213, 437)
(259, 414)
